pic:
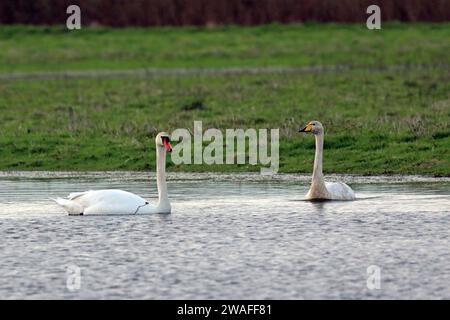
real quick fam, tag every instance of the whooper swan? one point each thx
(321, 190)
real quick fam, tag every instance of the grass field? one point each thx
(54, 48)
(376, 121)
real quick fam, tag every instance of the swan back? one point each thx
(110, 201)
(339, 191)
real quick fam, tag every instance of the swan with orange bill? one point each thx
(114, 201)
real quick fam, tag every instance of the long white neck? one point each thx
(317, 171)
(163, 199)
(318, 189)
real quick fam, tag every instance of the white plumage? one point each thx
(319, 188)
(112, 201)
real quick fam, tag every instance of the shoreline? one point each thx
(221, 176)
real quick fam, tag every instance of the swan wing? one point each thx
(110, 201)
(339, 191)
(74, 195)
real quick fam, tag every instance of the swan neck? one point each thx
(163, 199)
(317, 172)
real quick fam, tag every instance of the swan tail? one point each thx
(70, 206)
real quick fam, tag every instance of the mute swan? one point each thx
(321, 190)
(113, 201)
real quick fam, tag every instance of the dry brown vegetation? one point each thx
(219, 12)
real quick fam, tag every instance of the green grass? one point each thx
(55, 48)
(376, 122)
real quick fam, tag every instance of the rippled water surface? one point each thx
(228, 237)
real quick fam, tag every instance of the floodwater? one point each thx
(236, 236)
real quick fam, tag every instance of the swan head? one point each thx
(314, 127)
(162, 140)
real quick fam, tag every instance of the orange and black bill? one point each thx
(167, 144)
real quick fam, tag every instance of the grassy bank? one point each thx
(26, 48)
(376, 121)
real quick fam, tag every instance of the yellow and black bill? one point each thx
(308, 128)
